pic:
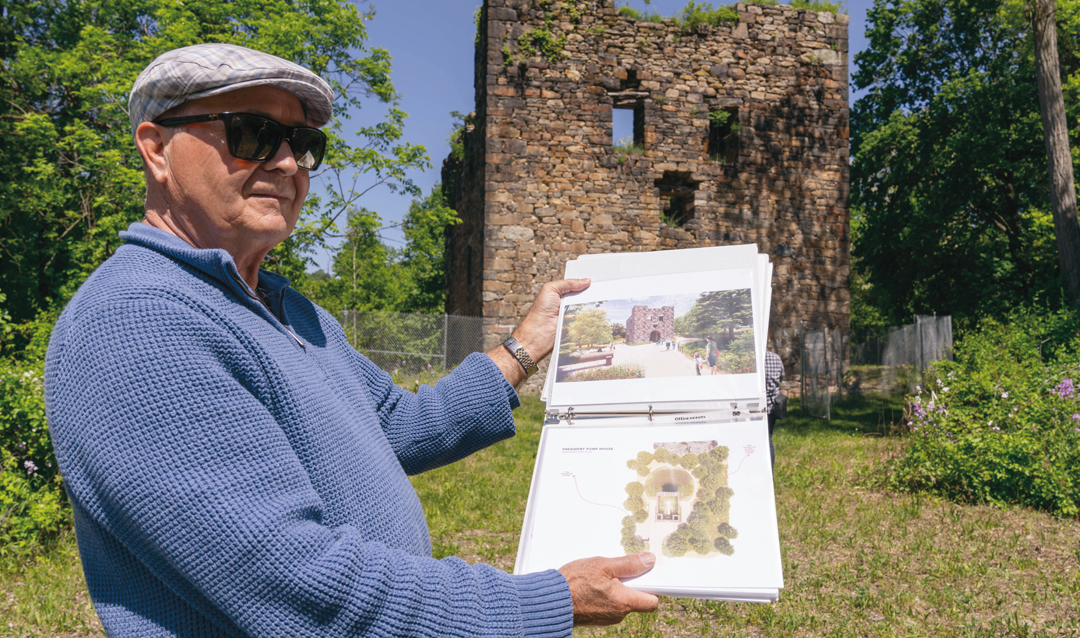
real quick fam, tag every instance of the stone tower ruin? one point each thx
(740, 135)
(650, 324)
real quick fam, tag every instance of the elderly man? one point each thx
(235, 468)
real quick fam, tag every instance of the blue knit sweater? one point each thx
(241, 471)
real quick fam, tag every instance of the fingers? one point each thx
(599, 597)
(630, 566)
(567, 286)
(639, 601)
(537, 331)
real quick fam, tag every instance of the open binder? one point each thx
(646, 447)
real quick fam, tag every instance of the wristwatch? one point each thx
(521, 355)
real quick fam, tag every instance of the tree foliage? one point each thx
(590, 326)
(72, 176)
(950, 207)
(715, 311)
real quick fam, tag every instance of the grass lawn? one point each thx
(858, 561)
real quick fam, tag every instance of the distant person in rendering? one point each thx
(712, 353)
(235, 467)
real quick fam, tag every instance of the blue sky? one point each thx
(431, 42)
(619, 310)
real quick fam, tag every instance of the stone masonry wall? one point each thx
(644, 320)
(541, 182)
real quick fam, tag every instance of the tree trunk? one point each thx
(1059, 157)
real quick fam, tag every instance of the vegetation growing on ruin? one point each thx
(625, 148)
(696, 14)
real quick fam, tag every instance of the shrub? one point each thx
(817, 5)
(29, 515)
(33, 505)
(608, 373)
(696, 14)
(1001, 424)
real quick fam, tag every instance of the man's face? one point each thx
(225, 201)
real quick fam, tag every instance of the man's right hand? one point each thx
(599, 596)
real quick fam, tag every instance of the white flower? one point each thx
(1004, 395)
(945, 389)
(990, 423)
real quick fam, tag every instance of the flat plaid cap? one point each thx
(202, 70)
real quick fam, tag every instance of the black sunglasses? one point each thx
(256, 138)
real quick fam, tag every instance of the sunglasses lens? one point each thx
(308, 146)
(253, 138)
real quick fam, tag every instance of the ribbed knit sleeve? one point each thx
(464, 412)
(199, 513)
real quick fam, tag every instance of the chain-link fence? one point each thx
(821, 369)
(896, 361)
(411, 343)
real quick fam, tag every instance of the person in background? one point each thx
(711, 353)
(774, 374)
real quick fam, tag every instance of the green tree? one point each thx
(717, 310)
(1055, 132)
(949, 178)
(423, 262)
(590, 326)
(72, 176)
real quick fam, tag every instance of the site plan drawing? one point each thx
(680, 501)
(704, 505)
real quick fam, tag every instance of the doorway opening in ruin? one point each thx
(654, 336)
(724, 128)
(676, 192)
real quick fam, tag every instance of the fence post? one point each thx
(828, 396)
(802, 366)
(445, 339)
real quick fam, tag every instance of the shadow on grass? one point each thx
(866, 414)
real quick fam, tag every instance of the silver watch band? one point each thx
(521, 355)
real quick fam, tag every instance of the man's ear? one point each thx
(150, 140)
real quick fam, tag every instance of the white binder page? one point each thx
(700, 497)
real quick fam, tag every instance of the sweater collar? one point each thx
(216, 262)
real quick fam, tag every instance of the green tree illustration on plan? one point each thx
(679, 504)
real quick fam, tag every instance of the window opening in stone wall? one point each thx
(724, 128)
(622, 127)
(628, 127)
(627, 115)
(676, 192)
